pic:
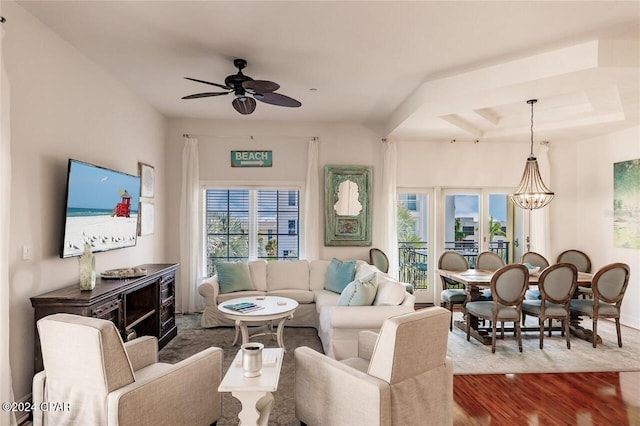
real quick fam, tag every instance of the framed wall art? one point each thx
(347, 205)
(147, 180)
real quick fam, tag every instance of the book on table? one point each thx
(244, 307)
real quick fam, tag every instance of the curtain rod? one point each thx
(250, 137)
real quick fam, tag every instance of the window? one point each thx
(408, 201)
(243, 224)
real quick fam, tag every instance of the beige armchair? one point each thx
(102, 381)
(400, 377)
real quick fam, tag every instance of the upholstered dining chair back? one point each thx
(610, 283)
(92, 356)
(410, 344)
(452, 261)
(508, 284)
(534, 259)
(557, 283)
(489, 261)
(379, 259)
(577, 258)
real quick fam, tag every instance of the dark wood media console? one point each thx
(142, 306)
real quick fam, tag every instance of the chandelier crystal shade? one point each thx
(532, 193)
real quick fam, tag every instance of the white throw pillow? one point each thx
(359, 292)
(390, 292)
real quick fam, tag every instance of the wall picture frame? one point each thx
(347, 205)
(146, 218)
(147, 180)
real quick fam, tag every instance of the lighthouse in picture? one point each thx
(123, 208)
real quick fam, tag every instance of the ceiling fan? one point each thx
(242, 86)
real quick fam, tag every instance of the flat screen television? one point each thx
(101, 209)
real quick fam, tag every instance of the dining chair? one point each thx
(609, 285)
(489, 261)
(536, 260)
(583, 263)
(577, 258)
(508, 285)
(379, 259)
(453, 293)
(557, 284)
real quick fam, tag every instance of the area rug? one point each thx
(472, 357)
(468, 357)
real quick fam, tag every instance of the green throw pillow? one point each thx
(339, 274)
(360, 292)
(233, 276)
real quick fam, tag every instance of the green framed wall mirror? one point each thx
(347, 195)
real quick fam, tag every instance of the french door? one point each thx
(477, 220)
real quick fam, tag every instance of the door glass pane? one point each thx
(413, 237)
(497, 227)
(461, 232)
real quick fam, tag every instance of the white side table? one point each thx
(255, 393)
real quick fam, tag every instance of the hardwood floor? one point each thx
(562, 399)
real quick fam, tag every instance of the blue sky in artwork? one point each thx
(98, 188)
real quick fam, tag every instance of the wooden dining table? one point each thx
(476, 279)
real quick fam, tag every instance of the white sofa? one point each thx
(304, 281)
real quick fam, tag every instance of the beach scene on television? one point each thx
(102, 209)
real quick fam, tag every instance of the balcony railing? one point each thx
(414, 263)
(414, 258)
(469, 249)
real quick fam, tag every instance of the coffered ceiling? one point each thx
(410, 70)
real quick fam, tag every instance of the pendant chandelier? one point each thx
(532, 193)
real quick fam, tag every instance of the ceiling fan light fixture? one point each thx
(244, 87)
(244, 106)
(532, 193)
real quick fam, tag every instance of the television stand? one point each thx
(143, 306)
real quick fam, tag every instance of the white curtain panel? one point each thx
(311, 243)
(6, 391)
(188, 298)
(540, 232)
(389, 243)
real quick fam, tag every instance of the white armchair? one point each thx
(102, 381)
(401, 376)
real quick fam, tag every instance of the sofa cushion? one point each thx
(360, 292)
(258, 270)
(390, 292)
(233, 276)
(300, 296)
(339, 275)
(292, 274)
(318, 273)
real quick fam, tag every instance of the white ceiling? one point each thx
(411, 70)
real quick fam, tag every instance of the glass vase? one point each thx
(87, 269)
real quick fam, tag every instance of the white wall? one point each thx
(339, 144)
(63, 105)
(593, 214)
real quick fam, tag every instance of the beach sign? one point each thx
(251, 159)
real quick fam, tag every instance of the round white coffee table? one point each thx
(272, 308)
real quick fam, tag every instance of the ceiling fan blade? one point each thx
(277, 99)
(244, 105)
(205, 95)
(261, 86)
(222, 86)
